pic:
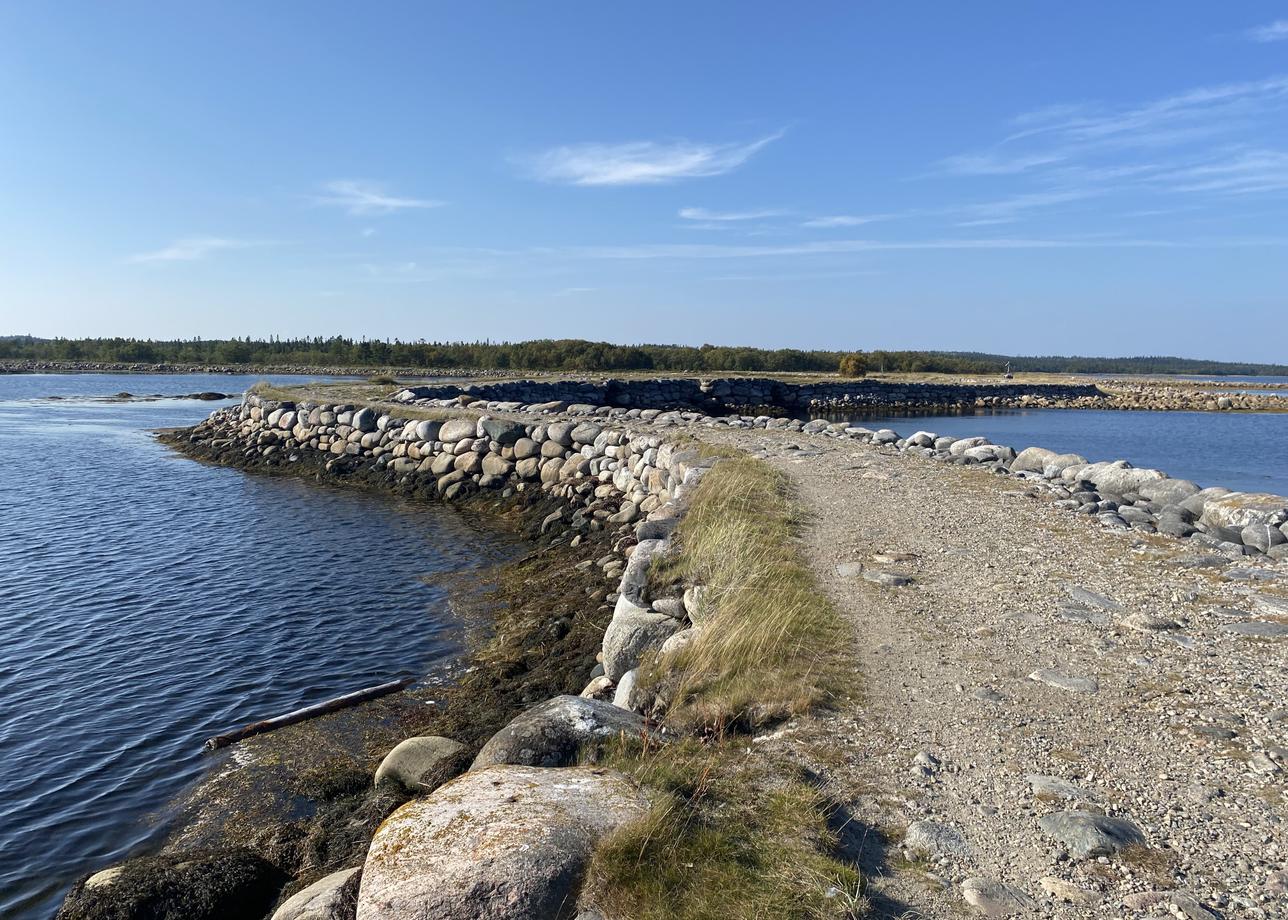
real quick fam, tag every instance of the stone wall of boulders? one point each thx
(512, 835)
(712, 395)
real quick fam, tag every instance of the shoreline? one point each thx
(1119, 498)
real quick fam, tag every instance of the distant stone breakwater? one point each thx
(733, 393)
(1120, 496)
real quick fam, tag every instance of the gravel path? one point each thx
(1036, 664)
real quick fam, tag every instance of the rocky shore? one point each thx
(606, 481)
(506, 826)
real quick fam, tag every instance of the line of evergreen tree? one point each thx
(577, 355)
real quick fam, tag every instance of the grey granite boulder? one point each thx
(1239, 509)
(551, 734)
(330, 898)
(456, 429)
(633, 631)
(1032, 460)
(505, 842)
(1086, 834)
(422, 764)
(503, 431)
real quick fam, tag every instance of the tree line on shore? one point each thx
(580, 355)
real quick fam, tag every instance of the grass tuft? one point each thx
(728, 835)
(770, 648)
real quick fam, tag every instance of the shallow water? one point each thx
(1243, 451)
(148, 601)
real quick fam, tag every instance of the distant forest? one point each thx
(576, 355)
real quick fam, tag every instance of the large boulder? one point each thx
(552, 733)
(525, 448)
(632, 632)
(428, 430)
(503, 431)
(203, 885)
(1061, 462)
(331, 898)
(1197, 502)
(1086, 834)
(422, 764)
(1119, 478)
(1032, 460)
(1239, 509)
(1164, 492)
(365, 420)
(456, 429)
(961, 445)
(505, 843)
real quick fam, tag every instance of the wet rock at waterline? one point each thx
(204, 885)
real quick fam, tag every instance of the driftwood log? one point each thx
(308, 712)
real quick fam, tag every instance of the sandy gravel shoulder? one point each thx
(1033, 664)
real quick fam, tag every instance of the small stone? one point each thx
(886, 579)
(995, 899)
(933, 838)
(1064, 681)
(1055, 787)
(1145, 622)
(1256, 629)
(1062, 890)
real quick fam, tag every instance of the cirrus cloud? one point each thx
(642, 162)
(362, 197)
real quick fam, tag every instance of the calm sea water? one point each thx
(148, 602)
(1243, 451)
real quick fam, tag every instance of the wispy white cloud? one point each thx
(1011, 208)
(834, 247)
(997, 164)
(1205, 109)
(1276, 31)
(842, 220)
(573, 291)
(1241, 172)
(193, 249)
(705, 214)
(642, 162)
(361, 197)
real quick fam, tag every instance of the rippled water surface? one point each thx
(1244, 451)
(148, 601)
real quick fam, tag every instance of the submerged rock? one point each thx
(505, 842)
(201, 885)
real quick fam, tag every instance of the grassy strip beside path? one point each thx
(733, 832)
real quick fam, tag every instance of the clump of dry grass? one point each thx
(770, 649)
(727, 836)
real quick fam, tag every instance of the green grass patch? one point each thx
(729, 835)
(771, 646)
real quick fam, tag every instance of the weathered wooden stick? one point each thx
(308, 712)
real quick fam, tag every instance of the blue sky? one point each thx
(1096, 178)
